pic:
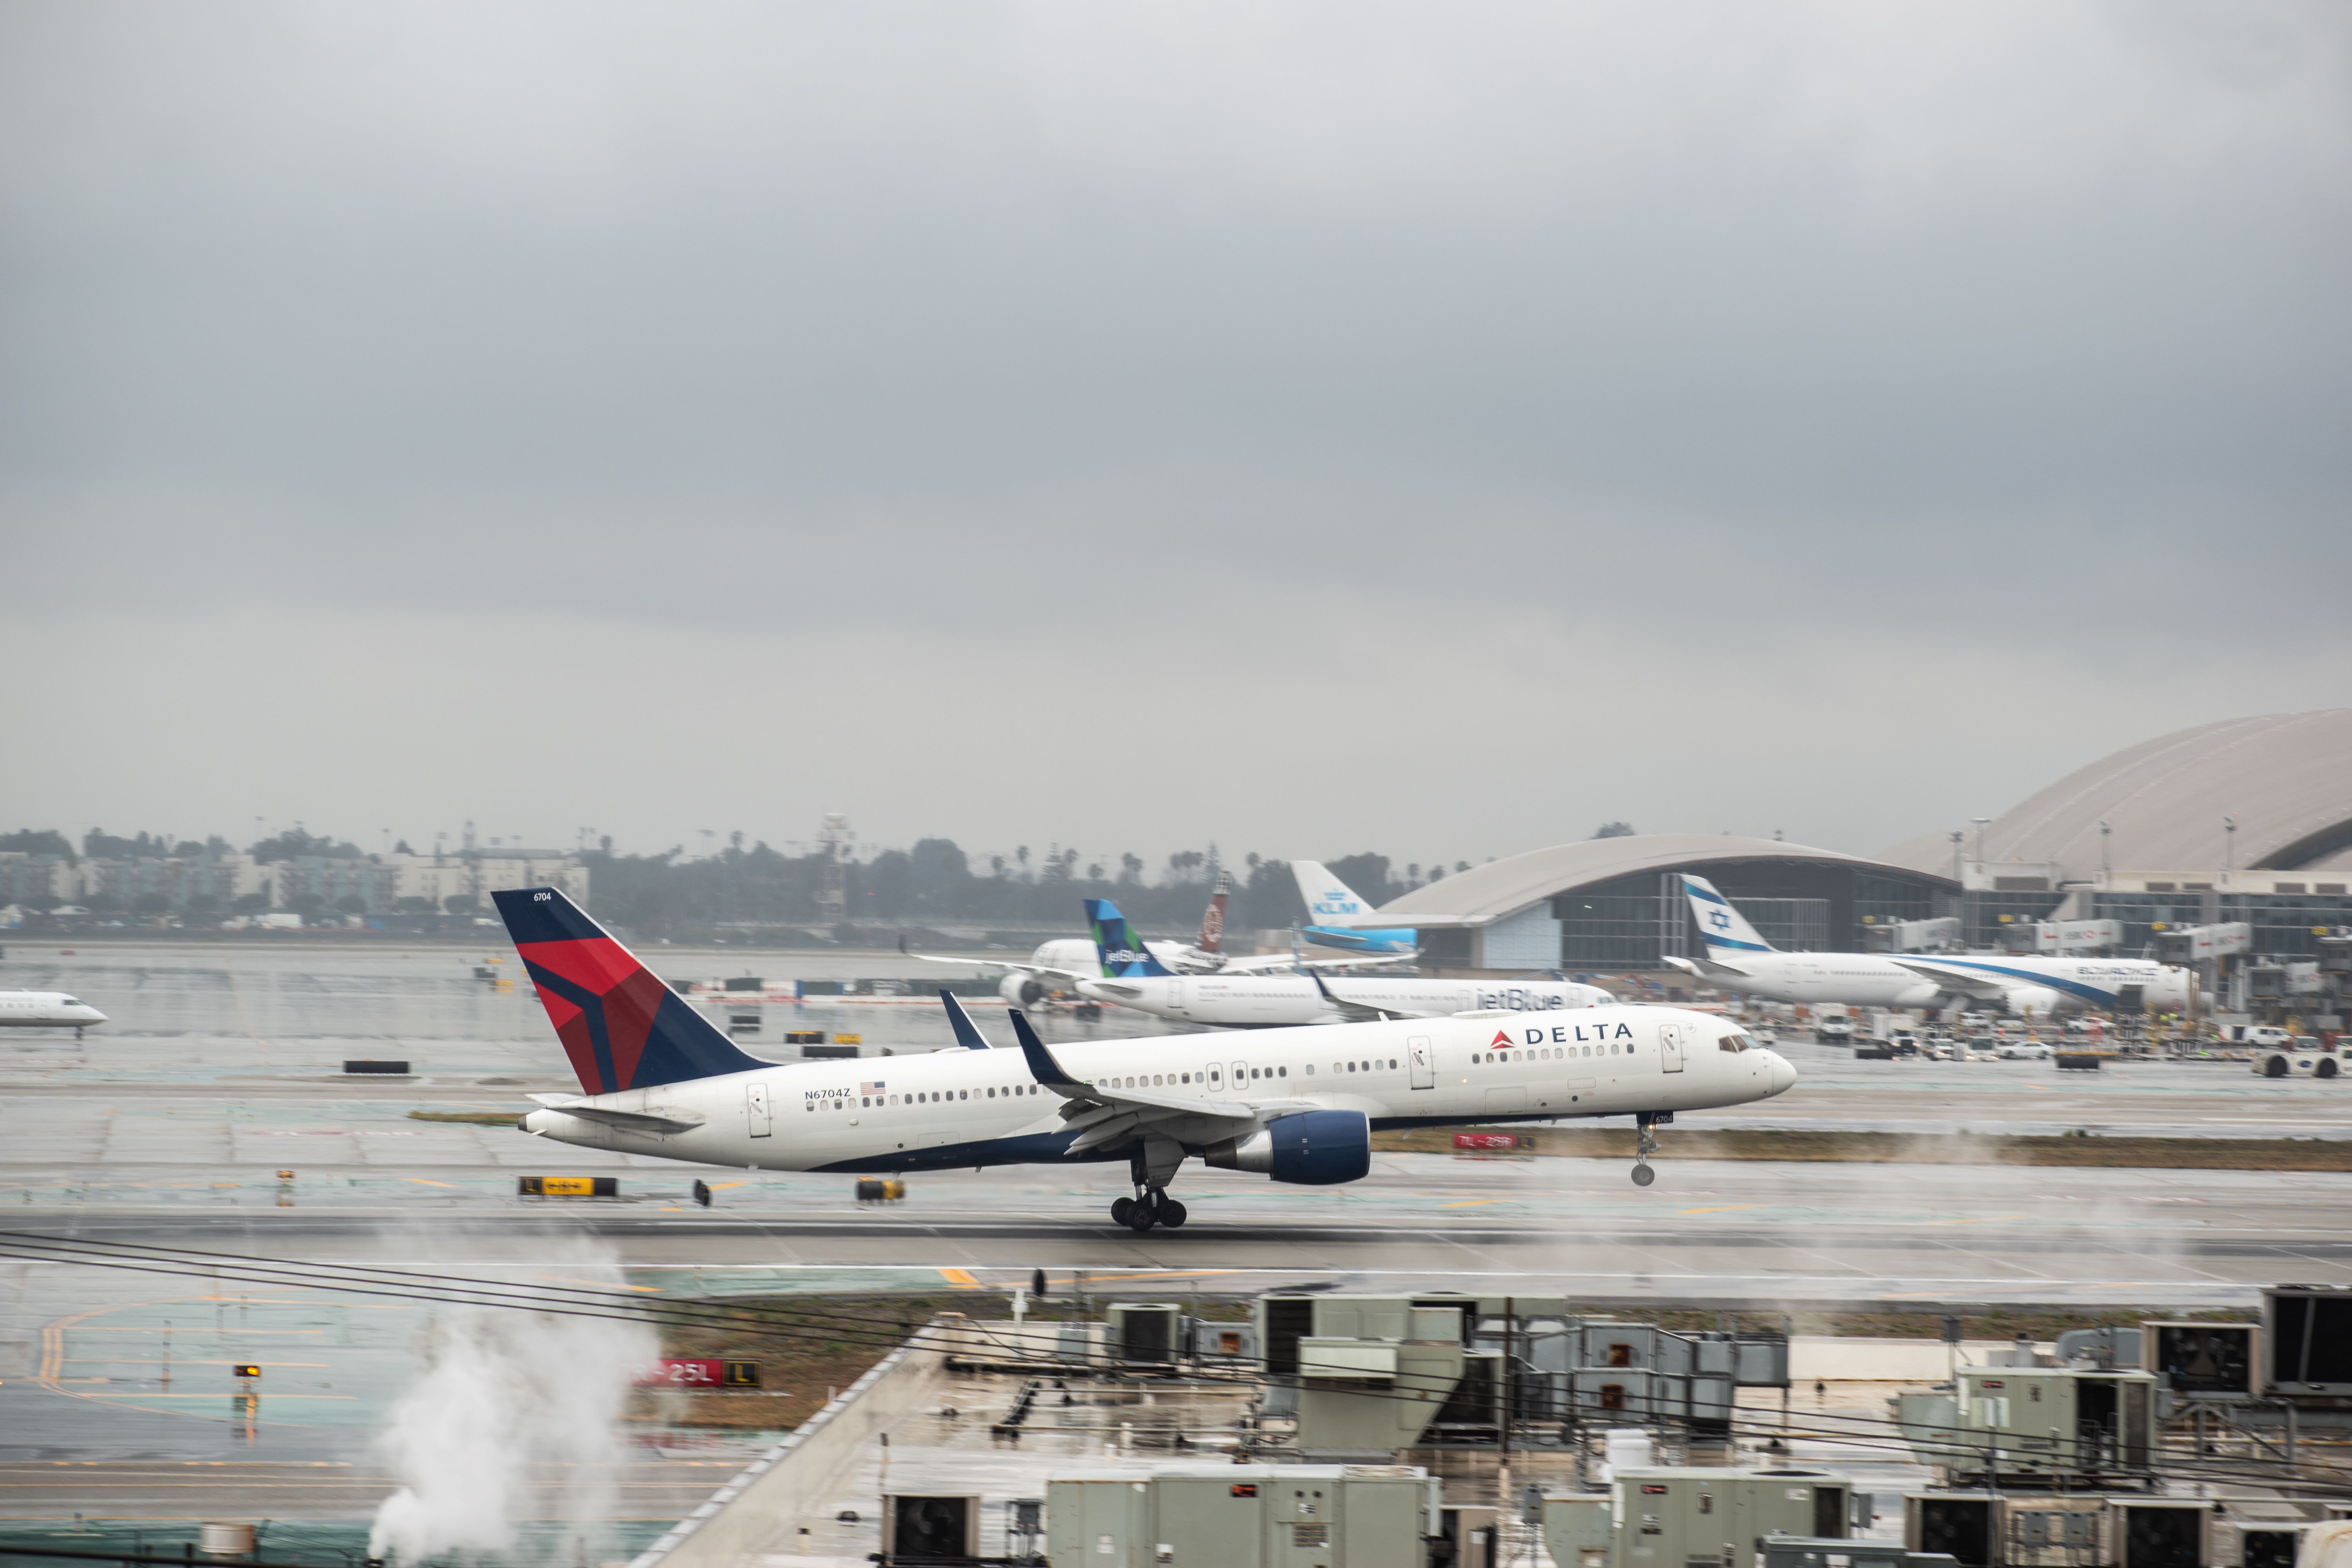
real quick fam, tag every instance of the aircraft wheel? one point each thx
(1140, 1216)
(1171, 1212)
(1644, 1174)
(1122, 1212)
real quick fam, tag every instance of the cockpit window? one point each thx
(1733, 1043)
(69, 1001)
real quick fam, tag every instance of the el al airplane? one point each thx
(1738, 959)
(46, 1010)
(1136, 979)
(658, 1079)
(1332, 910)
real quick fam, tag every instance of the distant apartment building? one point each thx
(372, 885)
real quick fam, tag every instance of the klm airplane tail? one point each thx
(1327, 897)
(622, 1026)
(1121, 950)
(1723, 929)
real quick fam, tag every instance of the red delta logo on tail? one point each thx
(620, 1025)
(626, 993)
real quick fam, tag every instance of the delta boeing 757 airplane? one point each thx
(1295, 1105)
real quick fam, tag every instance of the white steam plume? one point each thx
(503, 1393)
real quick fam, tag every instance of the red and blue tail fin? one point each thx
(620, 1025)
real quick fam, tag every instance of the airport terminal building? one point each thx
(1615, 903)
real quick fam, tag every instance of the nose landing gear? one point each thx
(1646, 1122)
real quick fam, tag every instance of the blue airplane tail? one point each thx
(1122, 953)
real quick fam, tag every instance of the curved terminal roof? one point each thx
(1500, 889)
(2286, 777)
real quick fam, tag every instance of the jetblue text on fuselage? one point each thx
(1518, 1001)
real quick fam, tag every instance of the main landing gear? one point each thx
(1151, 1167)
(1149, 1206)
(1646, 1122)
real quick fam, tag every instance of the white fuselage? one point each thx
(1281, 1000)
(969, 1108)
(1874, 980)
(46, 1010)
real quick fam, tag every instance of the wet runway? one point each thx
(171, 1128)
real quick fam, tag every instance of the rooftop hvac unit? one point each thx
(2308, 1331)
(1671, 1517)
(2268, 1545)
(2205, 1360)
(1146, 1333)
(926, 1529)
(2054, 1420)
(1805, 1551)
(2167, 1533)
(1243, 1516)
(1958, 1525)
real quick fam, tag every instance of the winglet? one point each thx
(1041, 1064)
(967, 1033)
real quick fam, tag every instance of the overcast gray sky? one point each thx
(1311, 427)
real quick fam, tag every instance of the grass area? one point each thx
(470, 1118)
(1920, 1149)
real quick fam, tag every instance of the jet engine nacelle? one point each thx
(1307, 1148)
(1021, 989)
(2032, 1001)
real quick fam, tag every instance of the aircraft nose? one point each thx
(1781, 1072)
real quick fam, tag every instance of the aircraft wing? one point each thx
(972, 961)
(1104, 1116)
(1707, 968)
(1959, 982)
(1280, 962)
(1362, 1012)
(627, 1120)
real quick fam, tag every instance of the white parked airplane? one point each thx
(1300, 1106)
(1280, 1001)
(46, 1010)
(1738, 959)
(1061, 963)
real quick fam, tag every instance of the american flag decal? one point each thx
(875, 1088)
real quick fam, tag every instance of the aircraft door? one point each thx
(1240, 1082)
(1670, 1045)
(1424, 1066)
(1179, 995)
(755, 1106)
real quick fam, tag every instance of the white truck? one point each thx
(1833, 1024)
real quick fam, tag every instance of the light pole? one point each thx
(2106, 828)
(2229, 844)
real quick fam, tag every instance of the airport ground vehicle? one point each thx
(2025, 1050)
(1837, 1031)
(1296, 1105)
(2301, 1057)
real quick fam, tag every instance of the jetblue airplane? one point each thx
(1329, 899)
(1738, 959)
(1062, 961)
(46, 1010)
(1295, 1105)
(1133, 977)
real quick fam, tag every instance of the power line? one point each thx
(610, 1305)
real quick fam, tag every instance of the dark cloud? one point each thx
(1941, 335)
